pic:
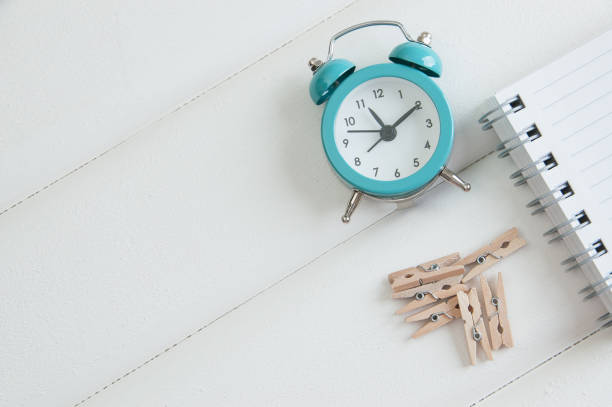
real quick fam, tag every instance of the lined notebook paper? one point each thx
(556, 124)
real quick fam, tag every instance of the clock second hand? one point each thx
(375, 144)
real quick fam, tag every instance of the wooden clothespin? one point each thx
(473, 324)
(496, 311)
(428, 295)
(491, 254)
(437, 315)
(434, 270)
(421, 290)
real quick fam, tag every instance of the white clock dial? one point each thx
(387, 128)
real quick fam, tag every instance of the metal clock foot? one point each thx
(350, 208)
(454, 179)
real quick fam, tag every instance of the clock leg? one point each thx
(350, 208)
(454, 179)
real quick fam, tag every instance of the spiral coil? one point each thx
(514, 104)
(551, 198)
(531, 133)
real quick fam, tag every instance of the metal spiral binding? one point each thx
(595, 284)
(538, 199)
(549, 162)
(603, 318)
(514, 103)
(582, 219)
(532, 133)
(566, 191)
(596, 247)
(597, 292)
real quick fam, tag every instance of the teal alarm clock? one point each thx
(387, 129)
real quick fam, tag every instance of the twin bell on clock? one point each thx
(387, 129)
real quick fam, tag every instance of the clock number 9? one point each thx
(345, 142)
(428, 123)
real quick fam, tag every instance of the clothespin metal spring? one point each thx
(436, 316)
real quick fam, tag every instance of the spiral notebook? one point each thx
(556, 124)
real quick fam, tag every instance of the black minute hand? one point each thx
(416, 106)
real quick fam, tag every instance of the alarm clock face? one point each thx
(387, 128)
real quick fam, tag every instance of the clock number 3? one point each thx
(428, 123)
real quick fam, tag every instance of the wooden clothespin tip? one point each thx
(491, 254)
(436, 316)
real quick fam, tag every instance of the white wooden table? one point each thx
(198, 255)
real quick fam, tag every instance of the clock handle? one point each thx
(350, 208)
(330, 51)
(454, 179)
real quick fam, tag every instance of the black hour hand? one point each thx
(378, 119)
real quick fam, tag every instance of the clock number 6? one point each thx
(397, 173)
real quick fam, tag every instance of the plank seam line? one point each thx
(257, 294)
(176, 109)
(229, 311)
(542, 363)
